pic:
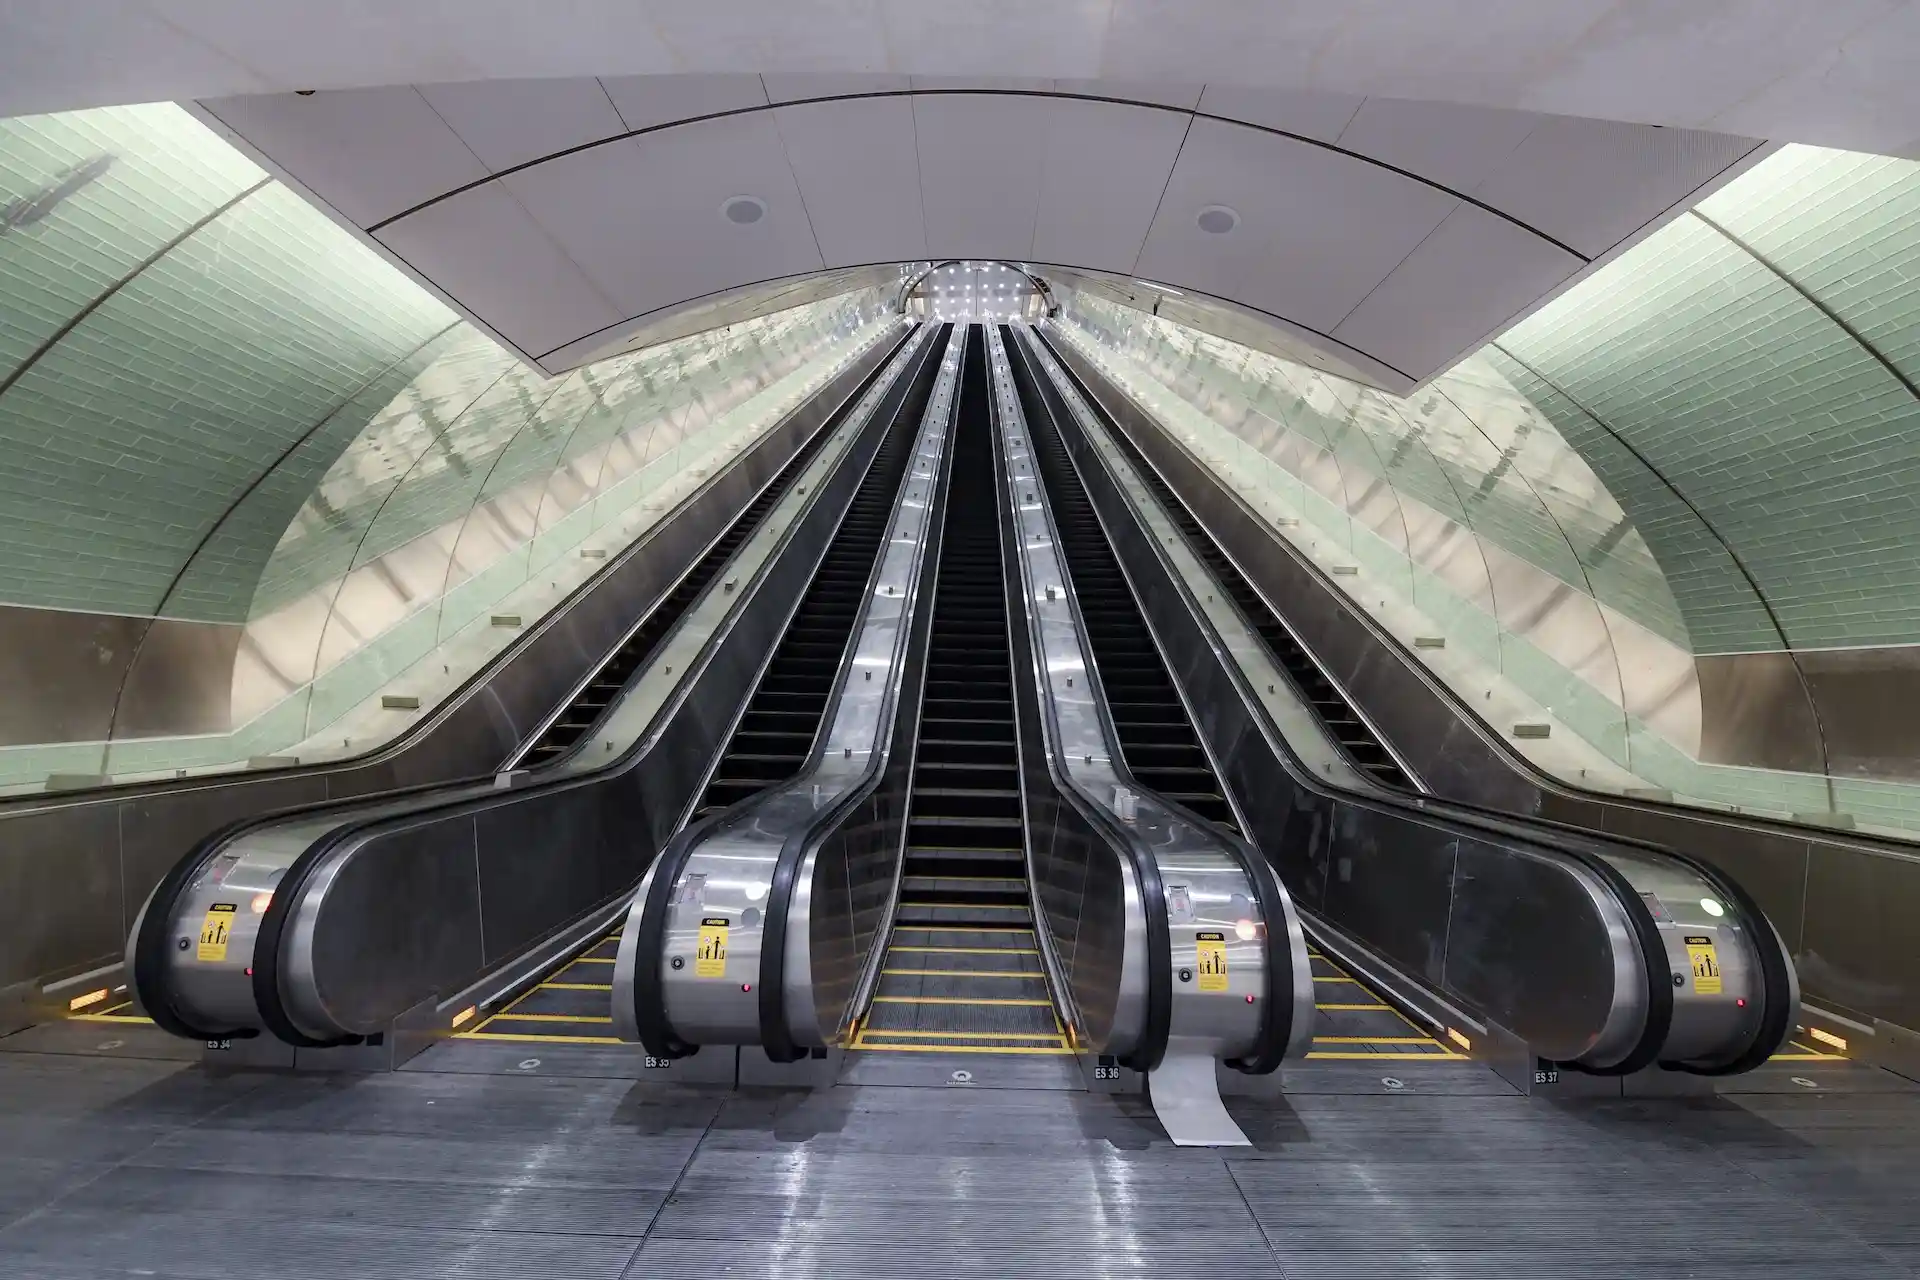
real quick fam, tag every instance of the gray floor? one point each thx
(117, 1165)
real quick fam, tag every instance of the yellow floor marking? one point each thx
(1391, 1057)
(1025, 1004)
(910, 927)
(971, 951)
(971, 973)
(1342, 978)
(1355, 1008)
(548, 1017)
(593, 960)
(107, 1017)
(1376, 1040)
(1062, 1051)
(921, 1033)
(576, 986)
(970, 906)
(533, 1039)
(1806, 1057)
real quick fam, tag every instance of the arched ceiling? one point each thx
(1836, 72)
(1388, 236)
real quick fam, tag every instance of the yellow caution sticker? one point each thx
(215, 932)
(711, 960)
(1211, 960)
(1706, 965)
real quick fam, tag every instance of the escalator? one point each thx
(1347, 728)
(775, 736)
(1155, 732)
(961, 971)
(130, 834)
(1379, 876)
(1351, 1020)
(577, 719)
(570, 1004)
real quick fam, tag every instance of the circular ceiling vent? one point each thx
(743, 210)
(1217, 219)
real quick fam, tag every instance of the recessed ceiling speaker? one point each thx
(743, 210)
(1217, 219)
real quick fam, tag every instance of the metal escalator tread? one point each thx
(573, 1004)
(962, 968)
(776, 732)
(1157, 740)
(634, 655)
(1361, 745)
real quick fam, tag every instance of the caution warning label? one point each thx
(215, 932)
(1211, 960)
(1706, 965)
(711, 960)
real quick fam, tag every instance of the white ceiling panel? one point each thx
(799, 88)
(1318, 230)
(1498, 46)
(1687, 63)
(820, 35)
(980, 167)
(1248, 42)
(1592, 183)
(57, 56)
(484, 251)
(1106, 165)
(645, 102)
(1452, 145)
(1320, 116)
(642, 217)
(995, 37)
(1463, 282)
(510, 122)
(860, 175)
(370, 153)
(369, 42)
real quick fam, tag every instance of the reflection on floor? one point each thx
(493, 1157)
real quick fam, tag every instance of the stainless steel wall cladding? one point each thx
(375, 916)
(76, 868)
(1844, 904)
(1546, 935)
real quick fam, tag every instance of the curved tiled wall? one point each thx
(250, 475)
(1671, 513)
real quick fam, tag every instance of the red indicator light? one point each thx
(1249, 999)
(746, 986)
(1741, 1003)
(249, 971)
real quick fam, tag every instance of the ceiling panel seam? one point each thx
(1173, 168)
(1316, 143)
(1432, 231)
(799, 192)
(1065, 266)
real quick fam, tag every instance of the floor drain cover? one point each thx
(962, 1077)
(529, 1064)
(1393, 1082)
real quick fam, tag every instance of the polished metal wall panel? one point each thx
(141, 830)
(1391, 883)
(1859, 944)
